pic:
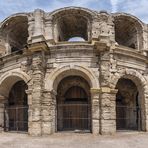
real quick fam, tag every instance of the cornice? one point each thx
(39, 46)
(129, 52)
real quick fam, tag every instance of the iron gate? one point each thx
(73, 116)
(129, 118)
(16, 118)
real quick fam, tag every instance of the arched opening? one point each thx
(15, 32)
(76, 39)
(128, 32)
(16, 108)
(72, 23)
(129, 112)
(73, 104)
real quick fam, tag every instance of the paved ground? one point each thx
(73, 140)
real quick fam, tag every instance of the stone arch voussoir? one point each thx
(9, 78)
(134, 75)
(52, 80)
(141, 84)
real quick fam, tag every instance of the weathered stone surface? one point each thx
(108, 127)
(35, 128)
(47, 128)
(114, 49)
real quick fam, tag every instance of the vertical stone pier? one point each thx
(95, 110)
(38, 34)
(37, 94)
(2, 110)
(108, 110)
(48, 113)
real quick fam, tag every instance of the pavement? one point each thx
(75, 140)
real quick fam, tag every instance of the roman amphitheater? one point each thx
(50, 82)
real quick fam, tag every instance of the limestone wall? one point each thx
(100, 60)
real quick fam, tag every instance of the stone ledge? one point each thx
(38, 47)
(104, 90)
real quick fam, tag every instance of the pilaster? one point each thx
(108, 110)
(38, 34)
(48, 112)
(2, 110)
(95, 95)
(36, 95)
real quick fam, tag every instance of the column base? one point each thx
(35, 129)
(47, 128)
(108, 127)
(95, 127)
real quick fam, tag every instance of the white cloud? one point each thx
(8, 7)
(84, 3)
(135, 7)
(80, 3)
(114, 4)
(138, 8)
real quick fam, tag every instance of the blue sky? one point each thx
(138, 8)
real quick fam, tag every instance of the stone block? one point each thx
(35, 128)
(47, 128)
(108, 127)
(95, 127)
(95, 112)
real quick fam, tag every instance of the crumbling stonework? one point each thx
(35, 48)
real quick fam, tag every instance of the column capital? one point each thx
(52, 92)
(103, 90)
(108, 90)
(46, 91)
(28, 92)
(95, 90)
(2, 98)
(114, 91)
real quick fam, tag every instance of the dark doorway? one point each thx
(73, 109)
(16, 110)
(128, 111)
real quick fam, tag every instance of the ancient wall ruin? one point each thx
(101, 81)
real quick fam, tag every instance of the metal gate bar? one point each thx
(73, 116)
(129, 118)
(16, 118)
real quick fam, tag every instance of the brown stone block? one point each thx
(47, 128)
(108, 126)
(35, 128)
(95, 127)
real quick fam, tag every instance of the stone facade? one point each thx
(34, 47)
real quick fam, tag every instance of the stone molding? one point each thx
(66, 70)
(132, 74)
(16, 72)
(104, 90)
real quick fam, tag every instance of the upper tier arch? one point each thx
(83, 11)
(9, 18)
(72, 22)
(14, 30)
(128, 30)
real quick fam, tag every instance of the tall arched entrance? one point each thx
(16, 108)
(128, 106)
(73, 104)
